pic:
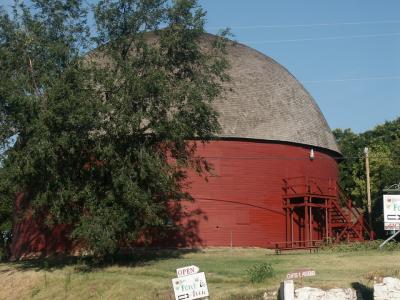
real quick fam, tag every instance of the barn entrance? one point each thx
(318, 212)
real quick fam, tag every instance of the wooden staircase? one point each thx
(348, 222)
(318, 211)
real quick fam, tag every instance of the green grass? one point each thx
(149, 276)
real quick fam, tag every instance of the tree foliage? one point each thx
(101, 118)
(384, 151)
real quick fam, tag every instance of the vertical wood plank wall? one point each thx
(241, 203)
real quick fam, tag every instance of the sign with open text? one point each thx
(391, 212)
(190, 287)
(185, 271)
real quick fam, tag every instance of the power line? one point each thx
(354, 79)
(325, 38)
(307, 25)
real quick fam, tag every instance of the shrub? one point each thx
(259, 273)
(361, 246)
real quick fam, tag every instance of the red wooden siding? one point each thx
(242, 203)
(30, 239)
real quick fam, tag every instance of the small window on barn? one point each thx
(242, 217)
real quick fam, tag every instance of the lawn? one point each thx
(148, 276)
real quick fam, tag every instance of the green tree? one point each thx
(103, 121)
(383, 143)
(6, 207)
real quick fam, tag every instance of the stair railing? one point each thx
(353, 209)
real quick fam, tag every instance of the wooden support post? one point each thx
(287, 222)
(326, 219)
(306, 221)
(329, 218)
(311, 226)
(291, 226)
(366, 152)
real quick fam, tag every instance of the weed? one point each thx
(361, 246)
(46, 267)
(258, 273)
(67, 282)
(35, 291)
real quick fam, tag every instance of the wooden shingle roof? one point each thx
(268, 103)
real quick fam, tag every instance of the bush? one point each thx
(361, 246)
(258, 273)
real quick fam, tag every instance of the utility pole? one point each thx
(366, 152)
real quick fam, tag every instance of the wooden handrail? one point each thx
(359, 215)
(310, 184)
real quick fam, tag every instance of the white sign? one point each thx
(300, 274)
(190, 287)
(391, 212)
(187, 271)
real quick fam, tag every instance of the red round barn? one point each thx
(274, 182)
(275, 165)
(274, 142)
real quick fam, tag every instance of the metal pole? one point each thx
(389, 239)
(366, 152)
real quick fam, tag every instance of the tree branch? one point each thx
(37, 91)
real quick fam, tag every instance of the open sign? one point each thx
(186, 271)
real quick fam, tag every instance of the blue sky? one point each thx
(345, 52)
(352, 68)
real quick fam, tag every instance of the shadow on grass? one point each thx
(138, 257)
(363, 292)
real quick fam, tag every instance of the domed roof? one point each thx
(266, 102)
